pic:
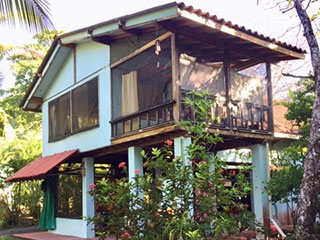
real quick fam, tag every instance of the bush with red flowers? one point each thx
(175, 199)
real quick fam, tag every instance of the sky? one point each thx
(68, 15)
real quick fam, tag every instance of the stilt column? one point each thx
(135, 161)
(87, 199)
(260, 175)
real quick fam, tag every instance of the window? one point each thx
(59, 117)
(69, 204)
(84, 115)
(85, 106)
(143, 82)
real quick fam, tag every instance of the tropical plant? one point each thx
(177, 198)
(34, 15)
(22, 143)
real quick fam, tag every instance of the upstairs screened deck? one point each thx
(150, 84)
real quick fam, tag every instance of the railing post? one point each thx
(270, 97)
(175, 78)
(227, 77)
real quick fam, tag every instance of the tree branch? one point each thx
(297, 76)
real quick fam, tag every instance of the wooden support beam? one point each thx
(140, 50)
(70, 45)
(270, 97)
(227, 78)
(107, 40)
(202, 36)
(245, 64)
(176, 83)
(239, 34)
(36, 100)
(132, 31)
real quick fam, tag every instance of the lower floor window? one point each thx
(69, 202)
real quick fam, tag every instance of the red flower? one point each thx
(136, 171)
(273, 228)
(110, 207)
(169, 142)
(122, 164)
(92, 186)
(126, 235)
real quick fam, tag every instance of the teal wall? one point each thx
(92, 60)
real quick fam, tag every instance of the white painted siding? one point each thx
(91, 57)
(71, 227)
(64, 82)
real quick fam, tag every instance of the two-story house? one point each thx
(109, 90)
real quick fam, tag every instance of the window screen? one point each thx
(84, 115)
(85, 106)
(142, 82)
(69, 202)
(59, 117)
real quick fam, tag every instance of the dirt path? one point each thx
(14, 230)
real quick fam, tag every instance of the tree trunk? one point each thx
(309, 189)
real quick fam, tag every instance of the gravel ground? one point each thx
(10, 231)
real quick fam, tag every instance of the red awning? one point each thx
(38, 168)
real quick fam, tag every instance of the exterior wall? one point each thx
(92, 61)
(71, 227)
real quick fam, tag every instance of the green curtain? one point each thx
(47, 218)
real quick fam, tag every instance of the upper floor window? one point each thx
(142, 82)
(74, 111)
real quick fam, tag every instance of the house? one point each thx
(109, 90)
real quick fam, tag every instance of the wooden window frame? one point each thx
(72, 131)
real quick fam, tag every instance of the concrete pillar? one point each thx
(135, 161)
(260, 175)
(180, 150)
(88, 209)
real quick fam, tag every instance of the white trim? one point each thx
(43, 73)
(286, 135)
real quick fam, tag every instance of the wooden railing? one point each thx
(134, 122)
(250, 117)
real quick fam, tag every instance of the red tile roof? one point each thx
(281, 124)
(38, 168)
(214, 18)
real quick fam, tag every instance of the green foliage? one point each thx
(24, 66)
(285, 181)
(300, 108)
(177, 198)
(20, 140)
(34, 15)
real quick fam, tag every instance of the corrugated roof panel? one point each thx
(38, 168)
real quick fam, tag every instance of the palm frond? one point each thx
(31, 14)
(4, 50)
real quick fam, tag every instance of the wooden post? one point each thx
(175, 78)
(227, 78)
(270, 97)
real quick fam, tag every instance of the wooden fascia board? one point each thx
(233, 32)
(112, 26)
(42, 74)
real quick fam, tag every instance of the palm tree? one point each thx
(33, 15)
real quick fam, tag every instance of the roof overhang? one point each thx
(245, 47)
(39, 168)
